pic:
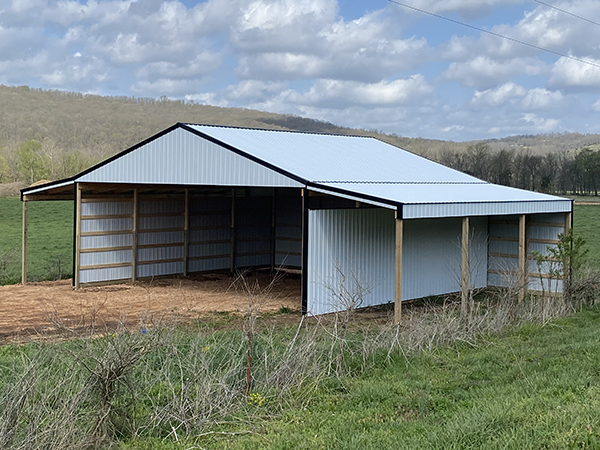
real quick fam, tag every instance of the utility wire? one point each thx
(566, 12)
(564, 55)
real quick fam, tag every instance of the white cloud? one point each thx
(342, 94)
(254, 90)
(202, 65)
(540, 98)
(518, 97)
(596, 105)
(541, 125)
(367, 49)
(484, 72)
(498, 96)
(569, 73)
(467, 8)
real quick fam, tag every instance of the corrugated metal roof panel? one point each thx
(328, 158)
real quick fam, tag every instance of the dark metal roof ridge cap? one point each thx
(317, 133)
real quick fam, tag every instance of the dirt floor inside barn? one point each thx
(42, 310)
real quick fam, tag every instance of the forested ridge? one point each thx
(55, 134)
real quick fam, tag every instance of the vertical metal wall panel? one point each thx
(98, 225)
(432, 258)
(288, 230)
(503, 256)
(350, 250)
(158, 269)
(546, 228)
(114, 257)
(99, 222)
(160, 235)
(106, 208)
(107, 274)
(253, 215)
(504, 250)
(210, 233)
(99, 242)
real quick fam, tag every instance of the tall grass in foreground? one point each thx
(174, 382)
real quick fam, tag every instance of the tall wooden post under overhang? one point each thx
(77, 236)
(398, 269)
(24, 245)
(186, 232)
(567, 262)
(134, 231)
(232, 234)
(522, 273)
(464, 277)
(304, 253)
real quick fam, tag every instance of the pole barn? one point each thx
(364, 221)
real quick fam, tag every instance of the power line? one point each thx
(566, 12)
(482, 30)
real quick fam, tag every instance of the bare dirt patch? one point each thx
(37, 310)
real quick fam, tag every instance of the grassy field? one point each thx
(530, 387)
(50, 240)
(535, 388)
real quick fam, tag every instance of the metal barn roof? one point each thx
(361, 168)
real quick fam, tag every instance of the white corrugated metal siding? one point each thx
(350, 250)
(361, 244)
(432, 258)
(503, 259)
(97, 224)
(180, 157)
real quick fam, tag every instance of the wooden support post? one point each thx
(134, 256)
(77, 237)
(398, 270)
(186, 232)
(567, 275)
(464, 278)
(232, 234)
(273, 229)
(522, 275)
(304, 263)
(24, 246)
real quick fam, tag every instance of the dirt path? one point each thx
(40, 309)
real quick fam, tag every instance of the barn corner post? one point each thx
(134, 230)
(24, 244)
(77, 236)
(398, 268)
(567, 272)
(465, 304)
(304, 260)
(186, 231)
(522, 275)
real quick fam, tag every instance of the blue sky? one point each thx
(373, 65)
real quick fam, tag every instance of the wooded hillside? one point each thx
(55, 134)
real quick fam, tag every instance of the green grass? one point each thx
(586, 219)
(50, 240)
(538, 387)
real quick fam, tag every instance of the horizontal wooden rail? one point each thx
(105, 233)
(106, 266)
(106, 249)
